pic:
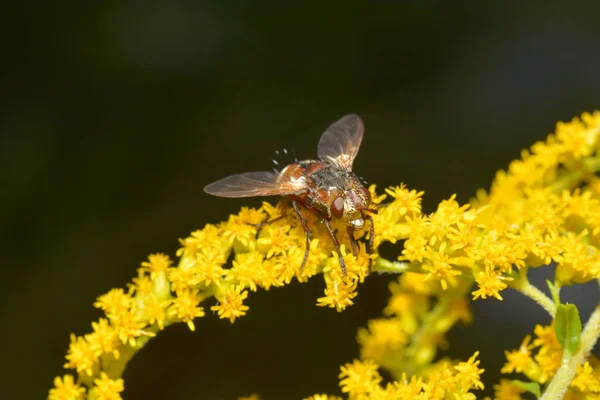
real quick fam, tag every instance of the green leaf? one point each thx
(554, 292)
(531, 387)
(567, 327)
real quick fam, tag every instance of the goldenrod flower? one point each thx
(322, 397)
(507, 390)
(359, 378)
(519, 360)
(107, 388)
(338, 294)
(469, 373)
(104, 339)
(82, 356)
(231, 303)
(185, 307)
(65, 388)
(114, 302)
(490, 284)
(587, 379)
(156, 263)
(251, 397)
(155, 310)
(129, 326)
(241, 229)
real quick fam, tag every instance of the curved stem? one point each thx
(521, 284)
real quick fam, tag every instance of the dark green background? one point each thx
(114, 115)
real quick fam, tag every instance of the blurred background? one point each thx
(114, 115)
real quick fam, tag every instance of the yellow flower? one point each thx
(587, 380)
(104, 339)
(208, 237)
(141, 285)
(439, 380)
(438, 266)
(156, 263)
(273, 211)
(490, 284)
(114, 302)
(359, 378)
(155, 310)
(108, 389)
(276, 238)
(402, 303)
(82, 356)
(469, 373)
(546, 339)
(338, 294)
(413, 282)
(185, 306)
(506, 390)
(241, 229)
(251, 397)
(65, 388)
(247, 270)
(357, 267)
(519, 360)
(209, 266)
(129, 326)
(578, 138)
(382, 338)
(322, 397)
(231, 303)
(405, 201)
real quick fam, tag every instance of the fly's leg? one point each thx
(306, 231)
(267, 222)
(350, 231)
(283, 212)
(337, 245)
(371, 239)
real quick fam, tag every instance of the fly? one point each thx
(326, 187)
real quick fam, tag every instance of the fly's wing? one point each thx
(251, 184)
(340, 142)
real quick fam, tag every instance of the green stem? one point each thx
(431, 326)
(521, 284)
(564, 376)
(383, 266)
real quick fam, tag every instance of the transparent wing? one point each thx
(340, 142)
(250, 184)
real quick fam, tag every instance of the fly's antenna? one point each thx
(295, 156)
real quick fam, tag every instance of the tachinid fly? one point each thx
(326, 186)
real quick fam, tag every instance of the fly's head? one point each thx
(350, 205)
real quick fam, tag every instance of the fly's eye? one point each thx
(337, 207)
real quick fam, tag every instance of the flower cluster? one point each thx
(443, 380)
(545, 209)
(540, 359)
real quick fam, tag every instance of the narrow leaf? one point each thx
(531, 387)
(567, 327)
(554, 292)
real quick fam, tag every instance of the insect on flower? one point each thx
(327, 186)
